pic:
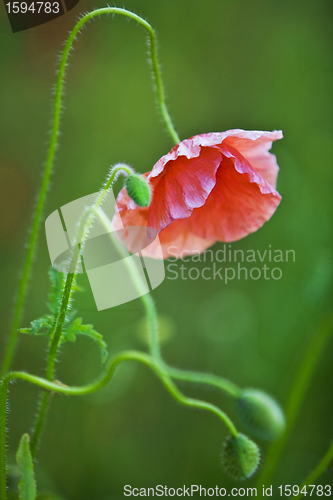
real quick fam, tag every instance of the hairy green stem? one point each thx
(302, 379)
(206, 379)
(44, 401)
(84, 227)
(321, 467)
(12, 341)
(106, 376)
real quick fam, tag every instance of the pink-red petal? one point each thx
(240, 203)
(254, 145)
(183, 185)
(256, 151)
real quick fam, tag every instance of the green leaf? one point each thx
(27, 485)
(77, 328)
(37, 325)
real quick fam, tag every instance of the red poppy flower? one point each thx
(211, 187)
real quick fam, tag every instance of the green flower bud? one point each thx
(260, 414)
(138, 189)
(240, 457)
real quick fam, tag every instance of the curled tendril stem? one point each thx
(106, 376)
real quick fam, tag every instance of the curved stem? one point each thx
(204, 378)
(12, 341)
(93, 387)
(101, 382)
(321, 467)
(302, 379)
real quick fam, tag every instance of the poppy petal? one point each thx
(184, 184)
(254, 145)
(178, 240)
(256, 150)
(241, 202)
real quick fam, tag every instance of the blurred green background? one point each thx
(240, 64)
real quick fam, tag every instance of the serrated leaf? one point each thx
(27, 484)
(45, 322)
(77, 328)
(45, 325)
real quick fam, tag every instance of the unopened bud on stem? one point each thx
(138, 189)
(240, 457)
(260, 414)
